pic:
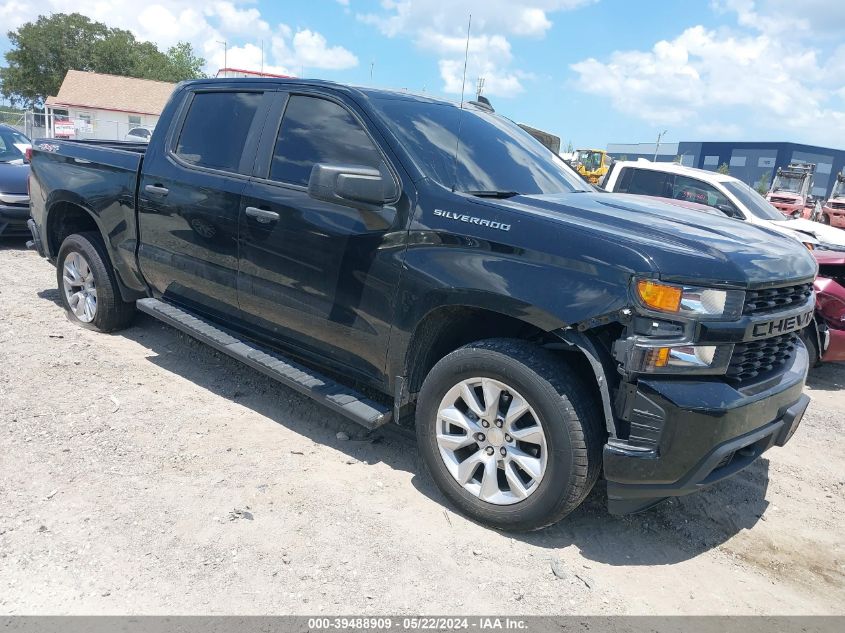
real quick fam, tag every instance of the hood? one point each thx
(680, 243)
(13, 178)
(823, 233)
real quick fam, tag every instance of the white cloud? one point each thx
(310, 49)
(440, 28)
(205, 24)
(746, 81)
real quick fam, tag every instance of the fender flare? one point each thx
(601, 370)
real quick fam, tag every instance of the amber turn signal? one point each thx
(659, 296)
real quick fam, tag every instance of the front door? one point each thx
(190, 196)
(320, 276)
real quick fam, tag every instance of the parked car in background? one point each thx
(833, 211)
(729, 195)
(14, 173)
(790, 190)
(825, 336)
(139, 134)
(13, 145)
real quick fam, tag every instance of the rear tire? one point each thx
(561, 466)
(88, 286)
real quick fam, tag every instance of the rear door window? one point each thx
(645, 182)
(216, 128)
(316, 131)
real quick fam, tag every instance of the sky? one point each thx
(591, 71)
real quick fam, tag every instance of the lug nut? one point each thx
(485, 423)
(503, 451)
(499, 423)
(480, 437)
(508, 438)
(490, 450)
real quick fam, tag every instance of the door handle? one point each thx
(157, 190)
(262, 215)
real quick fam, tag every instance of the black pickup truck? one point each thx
(400, 258)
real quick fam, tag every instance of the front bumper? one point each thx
(13, 220)
(834, 349)
(703, 431)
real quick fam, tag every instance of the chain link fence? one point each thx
(37, 125)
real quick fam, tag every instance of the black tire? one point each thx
(112, 312)
(570, 418)
(808, 336)
(825, 219)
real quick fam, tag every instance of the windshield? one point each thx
(790, 184)
(753, 201)
(589, 159)
(9, 139)
(494, 155)
(838, 189)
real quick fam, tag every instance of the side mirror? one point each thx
(728, 210)
(350, 186)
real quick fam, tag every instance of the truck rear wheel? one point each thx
(88, 286)
(509, 433)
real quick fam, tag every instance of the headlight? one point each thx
(690, 301)
(688, 359)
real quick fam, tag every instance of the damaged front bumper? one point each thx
(696, 432)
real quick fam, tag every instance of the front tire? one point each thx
(88, 286)
(509, 433)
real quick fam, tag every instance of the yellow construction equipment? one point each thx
(592, 164)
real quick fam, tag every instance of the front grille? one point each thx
(757, 358)
(837, 205)
(783, 200)
(760, 301)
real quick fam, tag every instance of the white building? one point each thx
(98, 106)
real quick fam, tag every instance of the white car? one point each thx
(725, 193)
(139, 135)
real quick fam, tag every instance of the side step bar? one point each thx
(324, 390)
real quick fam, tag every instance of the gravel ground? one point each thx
(144, 473)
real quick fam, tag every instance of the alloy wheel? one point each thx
(491, 441)
(79, 288)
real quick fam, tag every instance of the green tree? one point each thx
(762, 185)
(183, 64)
(43, 51)
(724, 169)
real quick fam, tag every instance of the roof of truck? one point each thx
(366, 91)
(674, 168)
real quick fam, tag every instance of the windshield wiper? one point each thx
(492, 193)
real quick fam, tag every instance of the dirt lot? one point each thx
(145, 473)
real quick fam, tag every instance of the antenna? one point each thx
(262, 57)
(479, 88)
(460, 118)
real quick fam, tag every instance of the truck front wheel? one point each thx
(88, 286)
(509, 433)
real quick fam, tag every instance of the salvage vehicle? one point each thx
(729, 195)
(14, 174)
(790, 190)
(824, 337)
(397, 257)
(833, 211)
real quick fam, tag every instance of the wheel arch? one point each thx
(445, 328)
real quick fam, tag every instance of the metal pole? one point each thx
(657, 146)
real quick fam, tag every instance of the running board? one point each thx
(325, 391)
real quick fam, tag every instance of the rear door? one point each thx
(317, 276)
(190, 194)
